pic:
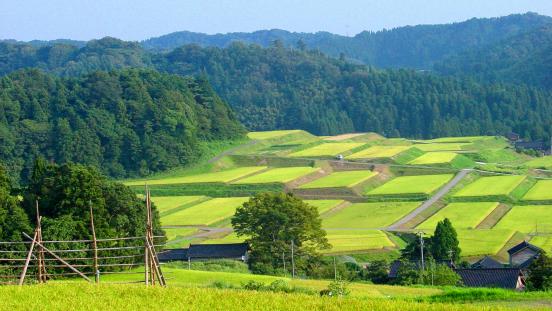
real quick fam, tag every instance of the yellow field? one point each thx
(434, 158)
(441, 146)
(205, 213)
(278, 175)
(222, 177)
(326, 150)
(165, 204)
(270, 134)
(377, 152)
(462, 215)
(357, 240)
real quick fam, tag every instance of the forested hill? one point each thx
(416, 47)
(279, 88)
(526, 58)
(127, 123)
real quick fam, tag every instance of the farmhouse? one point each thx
(508, 278)
(523, 254)
(487, 263)
(234, 251)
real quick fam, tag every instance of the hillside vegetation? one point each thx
(126, 123)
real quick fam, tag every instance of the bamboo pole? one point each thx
(94, 246)
(59, 258)
(28, 260)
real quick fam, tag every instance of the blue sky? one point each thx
(141, 19)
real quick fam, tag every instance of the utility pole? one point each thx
(284, 262)
(292, 261)
(335, 269)
(422, 249)
(94, 245)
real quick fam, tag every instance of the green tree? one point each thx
(13, 220)
(540, 273)
(444, 243)
(272, 222)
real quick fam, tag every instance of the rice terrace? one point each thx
(273, 155)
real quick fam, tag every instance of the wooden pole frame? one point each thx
(28, 260)
(94, 246)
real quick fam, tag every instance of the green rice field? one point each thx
(324, 205)
(177, 233)
(543, 162)
(340, 179)
(543, 241)
(491, 186)
(462, 139)
(422, 184)
(230, 238)
(379, 152)
(204, 213)
(541, 191)
(483, 241)
(527, 219)
(326, 150)
(357, 240)
(442, 146)
(270, 134)
(278, 175)
(434, 158)
(462, 215)
(369, 215)
(214, 177)
(165, 204)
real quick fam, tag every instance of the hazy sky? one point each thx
(141, 19)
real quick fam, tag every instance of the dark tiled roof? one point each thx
(501, 278)
(527, 263)
(235, 250)
(173, 254)
(487, 262)
(523, 245)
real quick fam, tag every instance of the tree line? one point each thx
(126, 123)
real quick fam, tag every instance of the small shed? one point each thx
(177, 254)
(508, 278)
(236, 251)
(487, 262)
(523, 254)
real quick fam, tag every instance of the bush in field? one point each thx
(272, 221)
(337, 288)
(278, 286)
(377, 272)
(444, 243)
(440, 275)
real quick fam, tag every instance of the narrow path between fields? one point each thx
(441, 193)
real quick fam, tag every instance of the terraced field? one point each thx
(324, 205)
(541, 191)
(421, 185)
(343, 241)
(326, 150)
(369, 215)
(434, 158)
(462, 215)
(483, 241)
(543, 162)
(543, 241)
(214, 177)
(205, 213)
(494, 186)
(166, 204)
(379, 152)
(278, 175)
(442, 146)
(527, 219)
(271, 134)
(340, 179)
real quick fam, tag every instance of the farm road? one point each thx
(441, 193)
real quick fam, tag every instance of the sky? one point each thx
(141, 19)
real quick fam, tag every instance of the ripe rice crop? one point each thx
(541, 191)
(165, 204)
(527, 219)
(369, 215)
(462, 215)
(324, 205)
(483, 241)
(434, 158)
(357, 240)
(441, 146)
(379, 152)
(542, 162)
(422, 184)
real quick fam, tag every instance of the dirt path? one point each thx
(441, 193)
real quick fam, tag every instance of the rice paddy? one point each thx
(340, 179)
(483, 241)
(527, 219)
(461, 215)
(213, 177)
(379, 152)
(491, 186)
(165, 204)
(357, 240)
(442, 146)
(421, 184)
(542, 162)
(205, 213)
(324, 205)
(270, 134)
(369, 215)
(278, 175)
(326, 150)
(541, 191)
(434, 158)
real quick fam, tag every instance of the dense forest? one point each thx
(127, 123)
(523, 59)
(416, 47)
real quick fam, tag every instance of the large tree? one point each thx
(540, 273)
(272, 222)
(13, 220)
(444, 243)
